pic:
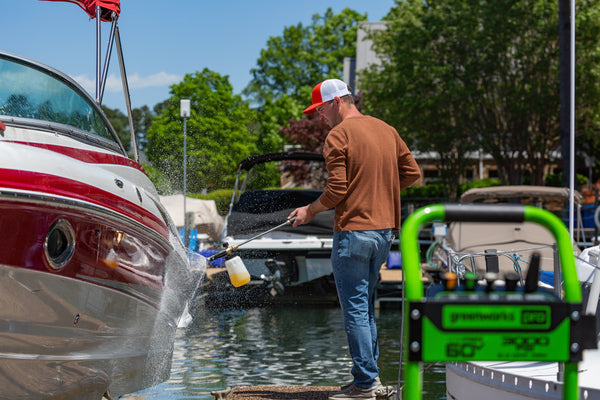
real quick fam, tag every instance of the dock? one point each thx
(276, 392)
(389, 287)
(286, 393)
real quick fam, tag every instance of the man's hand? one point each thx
(306, 214)
(302, 214)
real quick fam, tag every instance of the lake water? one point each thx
(276, 346)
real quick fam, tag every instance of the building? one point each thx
(365, 55)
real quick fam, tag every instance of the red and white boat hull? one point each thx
(92, 279)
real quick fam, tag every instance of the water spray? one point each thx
(238, 274)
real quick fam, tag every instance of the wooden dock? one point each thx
(389, 287)
(287, 393)
(276, 392)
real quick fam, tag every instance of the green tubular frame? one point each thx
(411, 265)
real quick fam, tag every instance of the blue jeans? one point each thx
(356, 258)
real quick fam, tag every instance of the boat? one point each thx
(93, 277)
(286, 265)
(465, 245)
(205, 224)
(505, 248)
(524, 380)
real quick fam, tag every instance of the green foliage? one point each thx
(460, 76)
(440, 191)
(432, 190)
(272, 115)
(263, 176)
(163, 186)
(218, 135)
(120, 123)
(303, 56)
(222, 198)
(479, 183)
(556, 180)
(142, 119)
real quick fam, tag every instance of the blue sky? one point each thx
(162, 41)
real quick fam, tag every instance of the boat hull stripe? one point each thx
(55, 185)
(87, 156)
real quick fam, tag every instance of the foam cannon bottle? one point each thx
(238, 274)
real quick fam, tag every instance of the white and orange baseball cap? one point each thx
(326, 91)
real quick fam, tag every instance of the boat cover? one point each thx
(106, 7)
(516, 239)
(259, 210)
(202, 214)
(518, 191)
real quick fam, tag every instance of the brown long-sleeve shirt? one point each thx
(368, 165)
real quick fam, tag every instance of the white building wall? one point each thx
(365, 55)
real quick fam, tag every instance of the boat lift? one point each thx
(513, 323)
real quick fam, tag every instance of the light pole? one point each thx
(185, 113)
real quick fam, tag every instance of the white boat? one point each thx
(464, 245)
(521, 380)
(505, 247)
(93, 276)
(287, 264)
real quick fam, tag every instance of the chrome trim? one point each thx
(58, 261)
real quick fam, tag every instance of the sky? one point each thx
(162, 41)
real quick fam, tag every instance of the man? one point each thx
(368, 164)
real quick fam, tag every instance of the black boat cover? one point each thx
(259, 210)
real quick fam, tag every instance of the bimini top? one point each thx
(106, 7)
(518, 191)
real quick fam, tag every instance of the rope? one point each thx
(587, 262)
(424, 369)
(510, 253)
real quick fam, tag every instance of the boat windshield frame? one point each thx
(105, 137)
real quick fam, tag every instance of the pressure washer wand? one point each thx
(229, 249)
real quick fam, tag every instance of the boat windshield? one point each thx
(27, 91)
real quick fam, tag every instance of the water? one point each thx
(275, 346)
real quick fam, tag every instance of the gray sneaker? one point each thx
(348, 385)
(385, 392)
(377, 392)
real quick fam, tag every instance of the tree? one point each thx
(460, 76)
(308, 133)
(218, 135)
(142, 120)
(274, 114)
(303, 56)
(120, 123)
